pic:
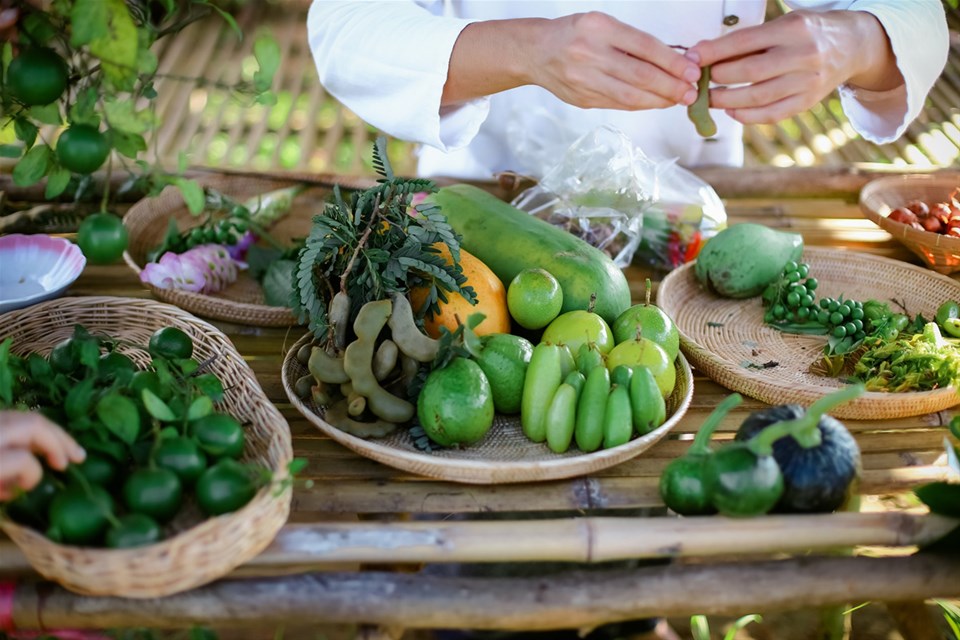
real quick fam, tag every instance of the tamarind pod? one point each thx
(337, 415)
(326, 368)
(699, 111)
(405, 332)
(409, 368)
(356, 405)
(303, 353)
(321, 395)
(358, 364)
(385, 359)
(338, 315)
(302, 386)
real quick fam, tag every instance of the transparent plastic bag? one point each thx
(608, 192)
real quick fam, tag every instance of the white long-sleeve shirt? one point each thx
(388, 62)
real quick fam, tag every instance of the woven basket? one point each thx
(726, 339)
(200, 550)
(879, 197)
(242, 302)
(504, 456)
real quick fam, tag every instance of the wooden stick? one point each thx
(585, 540)
(571, 600)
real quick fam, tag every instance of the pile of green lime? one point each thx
(155, 442)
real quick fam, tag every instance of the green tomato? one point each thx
(102, 238)
(183, 457)
(80, 515)
(116, 366)
(82, 148)
(99, 469)
(219, 435)
(30, 508)
(63, 357)
(225, 487)
(37, 76)
(133, 530)
(153, 492)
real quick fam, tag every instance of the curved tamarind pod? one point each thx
(326, 368)
(337, 415)
(358, 364)
(385, 359)
(405, 332)
(699, 111)
(302, 386)
(303, 353)
(409, 368)
(322, 395)
(356, 405)
(338, 315)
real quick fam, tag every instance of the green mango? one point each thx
(741, 260)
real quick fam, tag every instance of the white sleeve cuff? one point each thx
(460, 124)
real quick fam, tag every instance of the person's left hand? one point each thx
(25, 435)
(791, 63)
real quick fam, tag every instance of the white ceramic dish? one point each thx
(35, 268)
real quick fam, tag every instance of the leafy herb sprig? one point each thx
(374, 247)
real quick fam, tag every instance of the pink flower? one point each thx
(205, 268)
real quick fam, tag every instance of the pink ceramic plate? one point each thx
(35, 268)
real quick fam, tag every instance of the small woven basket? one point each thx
(242, 302)
(199, 550)
(879, 197)
(728, 341)
(505, 455)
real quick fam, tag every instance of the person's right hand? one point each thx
(23, 436)
(593, 60)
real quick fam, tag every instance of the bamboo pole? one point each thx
(573, 600)
(583, 540)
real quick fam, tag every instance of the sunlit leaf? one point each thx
(57, 183)
(107, 27)
(10, 150)
(33, 166)
(119, 414)
(192, 194)
(267, 53)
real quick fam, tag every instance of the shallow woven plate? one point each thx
(200, 549)
(720, 336)
(504, 456)
(242, 302)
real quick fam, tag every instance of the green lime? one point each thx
(534, 298)
(37, 76)
(171, 343)
(133, 530)
(102, 238)
(82, 148)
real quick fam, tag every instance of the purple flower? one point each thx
(205, 268)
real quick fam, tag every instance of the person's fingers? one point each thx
(772, 63)
(757, 95)
(651, 79)
(628, 97)
(739, 43)
(773, 113)
(644, 46)
(19, 471)
(32, 431)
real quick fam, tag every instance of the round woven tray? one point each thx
(199, 550)
(726, 339)
(880, 197)
(504, 456)
(242, 302)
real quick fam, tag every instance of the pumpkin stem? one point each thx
(701, 441)
(803, 429)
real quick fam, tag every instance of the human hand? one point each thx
(23, 436)
(793, 62)
(592, 60)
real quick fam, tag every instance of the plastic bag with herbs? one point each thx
(608, 192)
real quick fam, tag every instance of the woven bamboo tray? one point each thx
(243, 301)
(504, 456)
(880, 197)
(727, 339)
(200, 550)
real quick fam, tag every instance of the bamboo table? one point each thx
(351, 527)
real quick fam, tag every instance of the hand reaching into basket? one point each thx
(23, 437)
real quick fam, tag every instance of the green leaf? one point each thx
(267, 53)
(83, 110)
(227, 18)
(33, 166)
(168, 432)
(260, 258)
(89, 354)
(941, 497)
(157, 407)
(6, 373)
(79, 399)
(296, 465)
(209, 384)
(192, 194)
(127, 144)
(147, 61)
(182, 162)
(278, 283)
(37, 25)
(26, 131)
(201, 407)
(46, 114)
(267, 99)
(119, 414)
(111, 34)
(57, 183)
(123, 116)
(10, 150)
